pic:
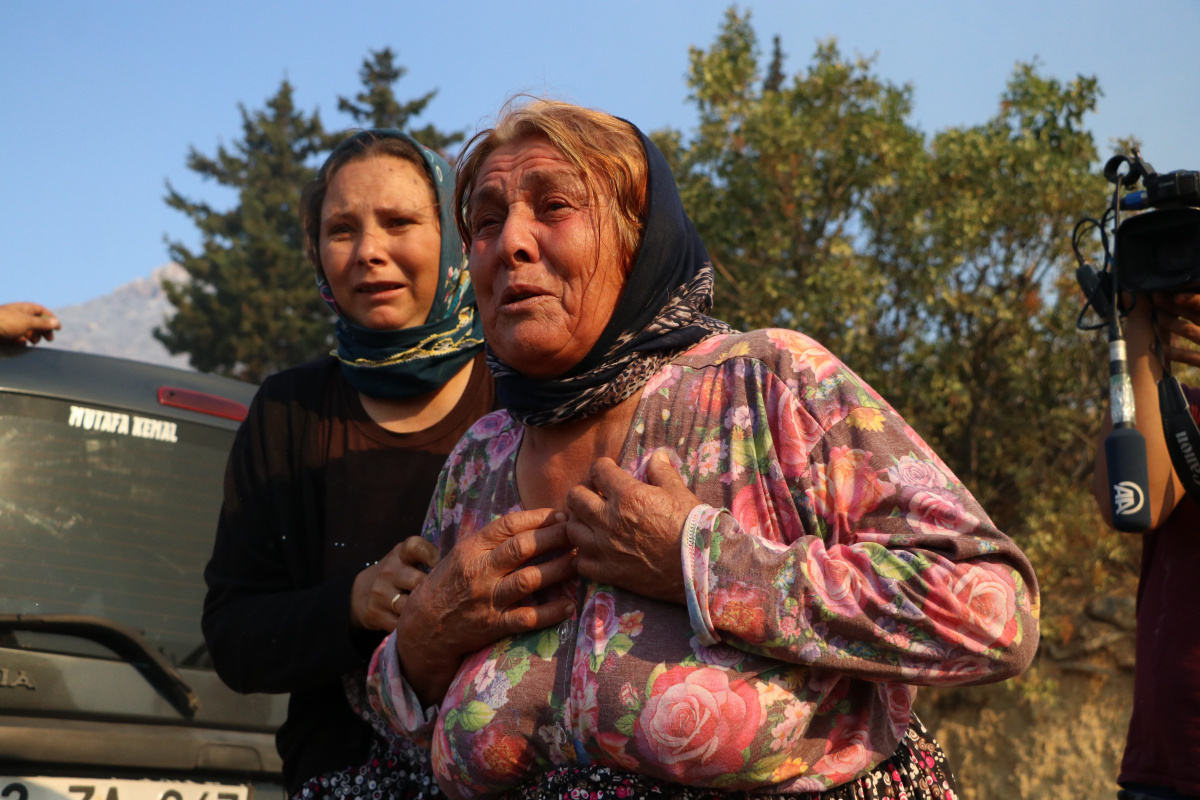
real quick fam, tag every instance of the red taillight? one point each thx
(203, 403)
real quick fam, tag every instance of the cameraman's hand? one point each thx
(1179, 325)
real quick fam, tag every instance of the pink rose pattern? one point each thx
(833, 549)
(696, 722)
(844, 582)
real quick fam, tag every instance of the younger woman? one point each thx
(337, 461)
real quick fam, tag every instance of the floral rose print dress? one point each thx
(836, 561)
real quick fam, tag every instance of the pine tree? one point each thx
(774, 80)
(377, 106)
(251, 307)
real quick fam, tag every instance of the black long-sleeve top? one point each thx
(315, 492)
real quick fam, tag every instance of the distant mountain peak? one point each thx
(120, 323)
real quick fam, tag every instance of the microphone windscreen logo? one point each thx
(1127, 498)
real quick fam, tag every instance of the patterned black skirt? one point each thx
(398, 770)
(916, 771)
(395, 769)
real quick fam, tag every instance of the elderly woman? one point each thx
(683, 560)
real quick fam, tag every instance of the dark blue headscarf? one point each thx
(412, 361)
(663, 311)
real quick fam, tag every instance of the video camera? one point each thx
(1156, 251)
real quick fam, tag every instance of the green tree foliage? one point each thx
(978, 265)
(250, 307)
(781, 177)
(376, 105)
(939, 268)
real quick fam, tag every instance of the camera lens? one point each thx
(1174, 256)
(1159, 250)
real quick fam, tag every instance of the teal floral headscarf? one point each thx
(405, 363)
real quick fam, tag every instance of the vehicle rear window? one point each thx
(109, 513)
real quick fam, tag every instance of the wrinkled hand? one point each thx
(474, 597)
(627, 533)
(27, 323)
(1179, 323)
(381, 590)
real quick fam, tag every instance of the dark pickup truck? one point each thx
(110, 485)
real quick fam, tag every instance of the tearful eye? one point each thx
(484, 223)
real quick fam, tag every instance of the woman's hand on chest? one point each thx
(628, 533)
(479, 593)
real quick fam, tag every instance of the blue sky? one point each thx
(100, 101)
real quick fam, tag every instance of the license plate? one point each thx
(109, 789)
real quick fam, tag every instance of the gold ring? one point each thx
(396, 597)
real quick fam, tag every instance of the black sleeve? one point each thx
(270, 622)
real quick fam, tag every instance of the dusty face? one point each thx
(546, 277)
(381, 242)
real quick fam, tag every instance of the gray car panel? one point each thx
(108, 505)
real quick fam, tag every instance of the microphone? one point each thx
(1128, 479)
